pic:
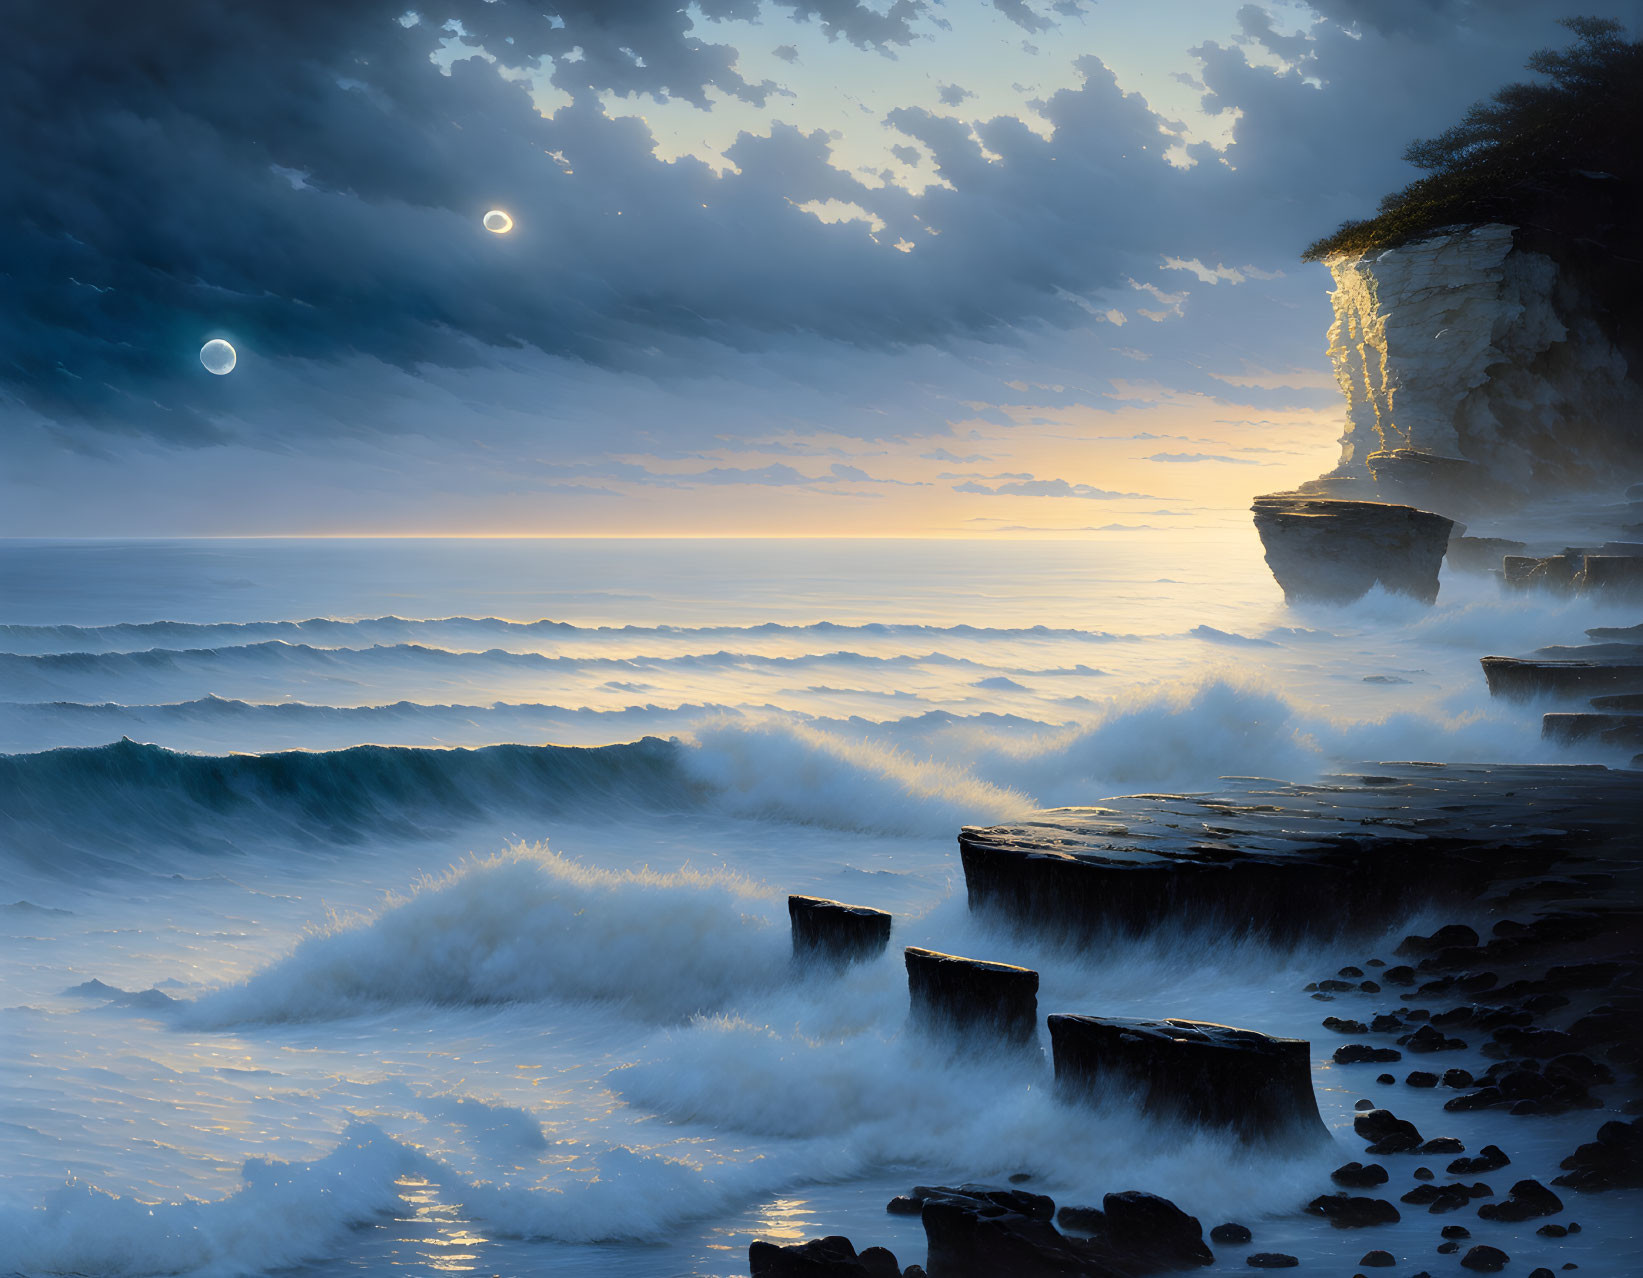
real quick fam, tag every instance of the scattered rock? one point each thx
(1438, 1199)
(1485, 1259)
(1378, 1260)
(1420, 1078)
(1613, 1161)
(1455, 934)
(1338, 1026)
(1231, 1232)
(1528, 1198)
(831, 1257)
(1442, 1145)
(1347, 1212)
(1489, 1158)
(1457, 1078)
(1386, 1132)
(1270, 1260)
(1455, 1231)
(1423, 1173)
(1552, 1231)
(1359, 1176)
(1150, 1226)
(1363, 1053)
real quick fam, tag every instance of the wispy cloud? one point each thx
(1045, 488)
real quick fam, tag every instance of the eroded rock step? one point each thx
(835, 933)
(1335, 550)
(1523, 678)
(1191, 1071)
(1624, 731)
(1293, 861)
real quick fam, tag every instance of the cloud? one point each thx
(1043, 488)
(1200, 457)
(786, 52)
(952, 94)
(942, 455)
(305, 180)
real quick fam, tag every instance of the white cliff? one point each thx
(1470, 366)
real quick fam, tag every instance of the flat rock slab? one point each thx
(835, 932)
(1622, 731)
(1335, 551)
(1292, 861)
(980, 1002)
(1523, 678)
(1192, 1071)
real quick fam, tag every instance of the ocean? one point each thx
(419, 905)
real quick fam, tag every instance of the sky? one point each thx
(987, 268)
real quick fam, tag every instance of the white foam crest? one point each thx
(795, 772)
(524, 926)
(285, 1214)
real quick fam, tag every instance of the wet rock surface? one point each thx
(1296, 861)
(977, 1232)
(1214, 1075)
(976, 1002)
(834, 932)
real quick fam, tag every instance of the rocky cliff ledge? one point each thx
(1478, 373)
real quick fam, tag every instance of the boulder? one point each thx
(831, 1257)
(981, 1002)
(1613, 1161)
(1386, 1132)
(973, 1232)
(1145, 1225)
(1344, 1211)
(1485, 1259)
(835, 932)
(1257, 1085)
(1231, 1232)
(1271, 1260)
(1358, 1176)
(1528, 1199)
(1335, 551)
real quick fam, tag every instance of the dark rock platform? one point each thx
(1523, 678)
(1295, 861)
(1335, 550)
(1194, 1071)
(979, 1002)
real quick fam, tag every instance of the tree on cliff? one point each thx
(1527, 154)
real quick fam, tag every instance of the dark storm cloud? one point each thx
(300, 178)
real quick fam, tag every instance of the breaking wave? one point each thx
(525, 926)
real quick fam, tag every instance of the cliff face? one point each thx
(1476, 370)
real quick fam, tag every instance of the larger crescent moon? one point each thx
(218, 357)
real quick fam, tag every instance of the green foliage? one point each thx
(1512, 153)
